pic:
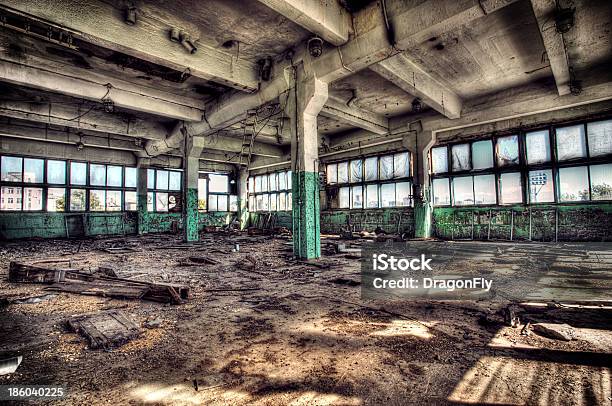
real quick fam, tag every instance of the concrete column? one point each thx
(243, 198)
(191, 166)
(141, 192)
(309, 96)
(423, 210)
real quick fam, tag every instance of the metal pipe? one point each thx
(374, 144)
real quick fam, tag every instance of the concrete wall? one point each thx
(389, 219)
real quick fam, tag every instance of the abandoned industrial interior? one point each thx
(193, 193)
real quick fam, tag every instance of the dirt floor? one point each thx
(290, 333)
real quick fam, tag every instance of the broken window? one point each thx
(401, 165)
(507, 149)
(131, 177)
(56, 172)
(282, 201)
(356, 174)
(386, 167)
(343, 198)
(573, 184)
(538, 147)
(219, 183)
(387, 195)
(510, 188)
(78, 173)
(56, 199)
(371, 196)
(131, 201)
(161, 202)
(32, 198)
(150, 201)
(11, 198)
(150, 179)
(332, 174)
(461, 157)
(441, 192)
(258, 202)
(97, 200)
(222, 202)
(77, 199)
(371, 168)
(356, 197)
(343, 172)
(482, 154)
(273, 202)
(113, 200)
(570, 142)
(439, 160)
(463, 191)
(403, 194)
(203, 193)
(252, 203)
(601, 182)
(33, 170)
(541, 189)
(484, 189)
(161, 180)
(97, 175)
(12, 169)
(233, 203)
(265, 202)
(174, 180)
(600, 138)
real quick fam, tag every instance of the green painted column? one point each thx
(422, 216)
(423, 211)
(306, 215)
(191, 166)
(141, 193)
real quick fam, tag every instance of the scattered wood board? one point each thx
(106, 330)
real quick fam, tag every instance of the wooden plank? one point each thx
(105, 330)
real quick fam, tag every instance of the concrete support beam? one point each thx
(311, 95)
(243, 198)
(191, 223)
(367, 120)
(142, 195)
(544, 11)
(99, 22)
(325, 18)
(402, 72)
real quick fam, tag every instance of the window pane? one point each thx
(258, 202)
(600, 138)
(356, 170)
(282, 181)
(150, 200)
(78, 173)
(32, 199)
(273, 202)
(113, 200)
(403, 192)
(507, 150)
(11, 169)
(401, 165)
(56, 200)
(131, 177)
(212, 203)
(332, 174)
(289, 200)
(273, 182)
(174, 180)
(77, 199)
(461, 157)
(439, 161)
(97, 200)
(161, 201)
(202, 192)
(222, 202)
(482, 154)
(252, 203)
(538, 147)
(233, 203)
(251, 184)
(114, 176)
(541, 188)
(264, 183)
(387, 195)
(131, 201)
(441, 192)
(282, 201)
(289, 180)
(172, 200)
(371, 195)
(371, 168)
(601, 182)
(56, 172)
(265, 202)
(343, 198)
(33, 170)
(386, 167)
(258, 184)
(97, 175)
(463, 191)
(510, 190)
(356, 197)
(570, 142)
(11, 198)
(484, 189)
(218, 183)
(150, 179)
(573, 184)
(343, 172)
(161, 180)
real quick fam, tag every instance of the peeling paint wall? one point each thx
(391, 220)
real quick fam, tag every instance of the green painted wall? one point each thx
(283, 218)
(391, 220)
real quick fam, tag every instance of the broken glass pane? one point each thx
(131, 177)
(150, 179)
(510, 190)
(114, 175)
(32, 198)
(482, 154)
(161, 201)
(97, 175)
(441, 192)
(174, 180)
(56, 172)
(541, 188)
(356, 170)
(356, 197)
(150, 199)
(463, 191)
(11, 169)
(343, 172)
(401, 165)
(77, 199)
(439, 160)
(601, 182)
(371, 196)
(484, 189)
(56, 199)
(507, 150)
(161, 181)
(403, 194)
(97, 200)
(371, 168)
(33, 170)
(343, 198)
(113, 200)
(219, 183)
(538, 147)
(570, 142)
(386, 167)
(131, 201)
(78, 173)
(600, 138)
(461, 157)
(573, 184)
(387, 195)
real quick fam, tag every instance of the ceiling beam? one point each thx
(402, 72)
(357, 117)
(100, 23)
(328, 19)
(544, 11)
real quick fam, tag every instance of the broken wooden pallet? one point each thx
(105, 330)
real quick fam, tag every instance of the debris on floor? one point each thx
(563, 332)
(10, 365)
(106, 330)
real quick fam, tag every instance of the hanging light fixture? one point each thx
(417, 105)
